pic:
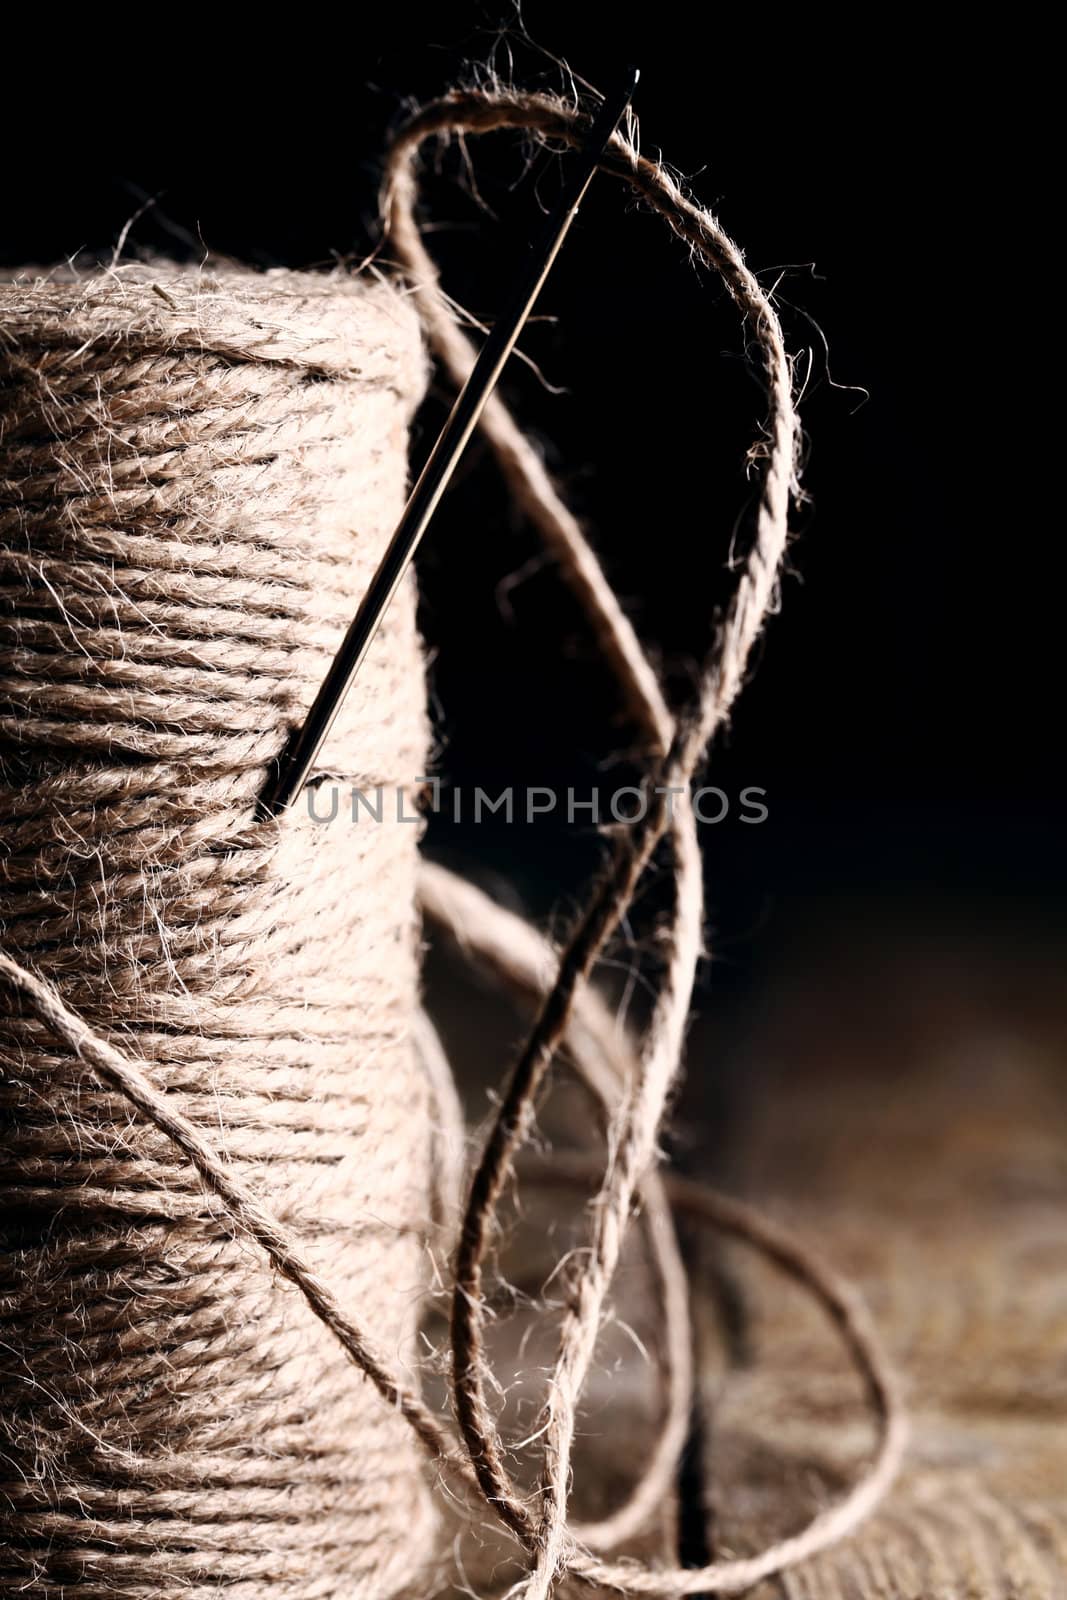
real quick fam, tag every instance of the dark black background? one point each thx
(904, 716)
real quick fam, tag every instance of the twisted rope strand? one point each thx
(517, 954)
(518, 957)
(633, 1137)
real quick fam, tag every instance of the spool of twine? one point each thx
(198, 473)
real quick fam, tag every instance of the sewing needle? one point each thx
(296, 761)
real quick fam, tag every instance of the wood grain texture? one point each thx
(914, 1122)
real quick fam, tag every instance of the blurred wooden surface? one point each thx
(911, 1121)
(900, 1100)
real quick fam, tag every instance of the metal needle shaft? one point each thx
(297, 760)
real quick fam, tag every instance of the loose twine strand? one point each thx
(632, 1090)
(680, 743)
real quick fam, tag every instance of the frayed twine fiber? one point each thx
(475, 1463)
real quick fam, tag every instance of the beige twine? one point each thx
(568, 1012)
(199, 471)
(680, 743)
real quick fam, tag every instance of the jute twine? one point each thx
(210, 471)
(199, 473)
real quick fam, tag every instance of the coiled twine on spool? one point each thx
(199, 472)
(208, 1038)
